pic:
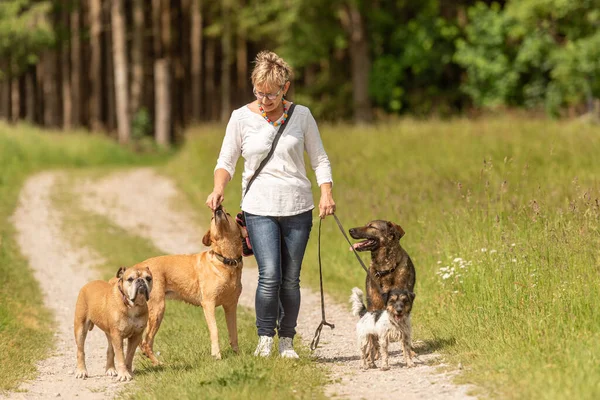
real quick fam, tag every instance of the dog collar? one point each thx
(228, 261)
(124, 297)
(379, 274)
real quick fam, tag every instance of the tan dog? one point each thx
(118, 307)
(209, 279)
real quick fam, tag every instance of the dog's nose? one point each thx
(352, 230)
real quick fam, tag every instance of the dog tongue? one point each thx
(355, 246)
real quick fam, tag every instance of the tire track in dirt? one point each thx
(149, 205)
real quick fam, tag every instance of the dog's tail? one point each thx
(356, 299)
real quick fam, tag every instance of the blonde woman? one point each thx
(278, 205)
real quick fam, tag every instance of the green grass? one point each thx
(25, 325)
(520, 316)
(183, 340)
(517, 200)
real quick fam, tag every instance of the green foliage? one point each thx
(486, 56)
(25, 30)
(413, 68)
(532, 53)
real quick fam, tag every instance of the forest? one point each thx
(138, 68)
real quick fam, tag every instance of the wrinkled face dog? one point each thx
(120, 308)
(135, 284)
(384, 326)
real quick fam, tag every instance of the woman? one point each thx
(278, 206)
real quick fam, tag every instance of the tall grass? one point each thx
(502, 222)
(25, 324)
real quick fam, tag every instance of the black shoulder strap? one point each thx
(275, 140)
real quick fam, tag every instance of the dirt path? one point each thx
(61, 270)
(149, 205)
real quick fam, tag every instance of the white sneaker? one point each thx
(286, 348)
(265, 344)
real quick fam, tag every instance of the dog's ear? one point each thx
(397, 229)
(412, 296)
(206, 240)
(120, 272)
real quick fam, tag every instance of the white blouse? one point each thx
(282, 187)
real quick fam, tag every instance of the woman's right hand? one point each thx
(214, 199)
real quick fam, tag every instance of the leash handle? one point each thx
(317, 337)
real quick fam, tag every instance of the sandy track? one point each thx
(149, 205)
(62, 270)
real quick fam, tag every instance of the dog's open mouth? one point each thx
(366, 245)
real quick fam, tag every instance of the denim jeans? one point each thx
(279, 244)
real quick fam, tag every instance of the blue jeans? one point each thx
(279, 244)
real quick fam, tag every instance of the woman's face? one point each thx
(270, 95)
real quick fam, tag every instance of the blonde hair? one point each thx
(270, 69)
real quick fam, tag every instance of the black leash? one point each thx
(315, 341)
(362, 264)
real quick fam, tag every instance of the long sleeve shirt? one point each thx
(282, 187)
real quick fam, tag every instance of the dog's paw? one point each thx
(372, 365)
(111, 372)
(81, 374)
(385, 368)
(124, 376)
(216, 356)
(410, 364)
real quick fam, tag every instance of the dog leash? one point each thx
(315, 341)
(362, 264)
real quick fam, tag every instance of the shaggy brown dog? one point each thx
(391, 268)
(209, 279)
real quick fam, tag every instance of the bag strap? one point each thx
(273, 145)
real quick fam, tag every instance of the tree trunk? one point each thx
(120, 68)
(360, 62)
(137, 56)
(226, 61)
(162, 98)
(50, 89)
(76, 67)
(196, 67)
(242, 66)
(163, 104)
(15, 99)
(95, 71)
(30, 96)
(65, 57)
(4, 91)
(209, 80)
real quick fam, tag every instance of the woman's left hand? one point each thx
(326, 204)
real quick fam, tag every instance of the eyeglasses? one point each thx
(270, 96)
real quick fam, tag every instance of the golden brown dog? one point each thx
(118, 307)
(391, 268)
(209, 279)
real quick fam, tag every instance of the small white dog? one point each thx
(384, 326)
